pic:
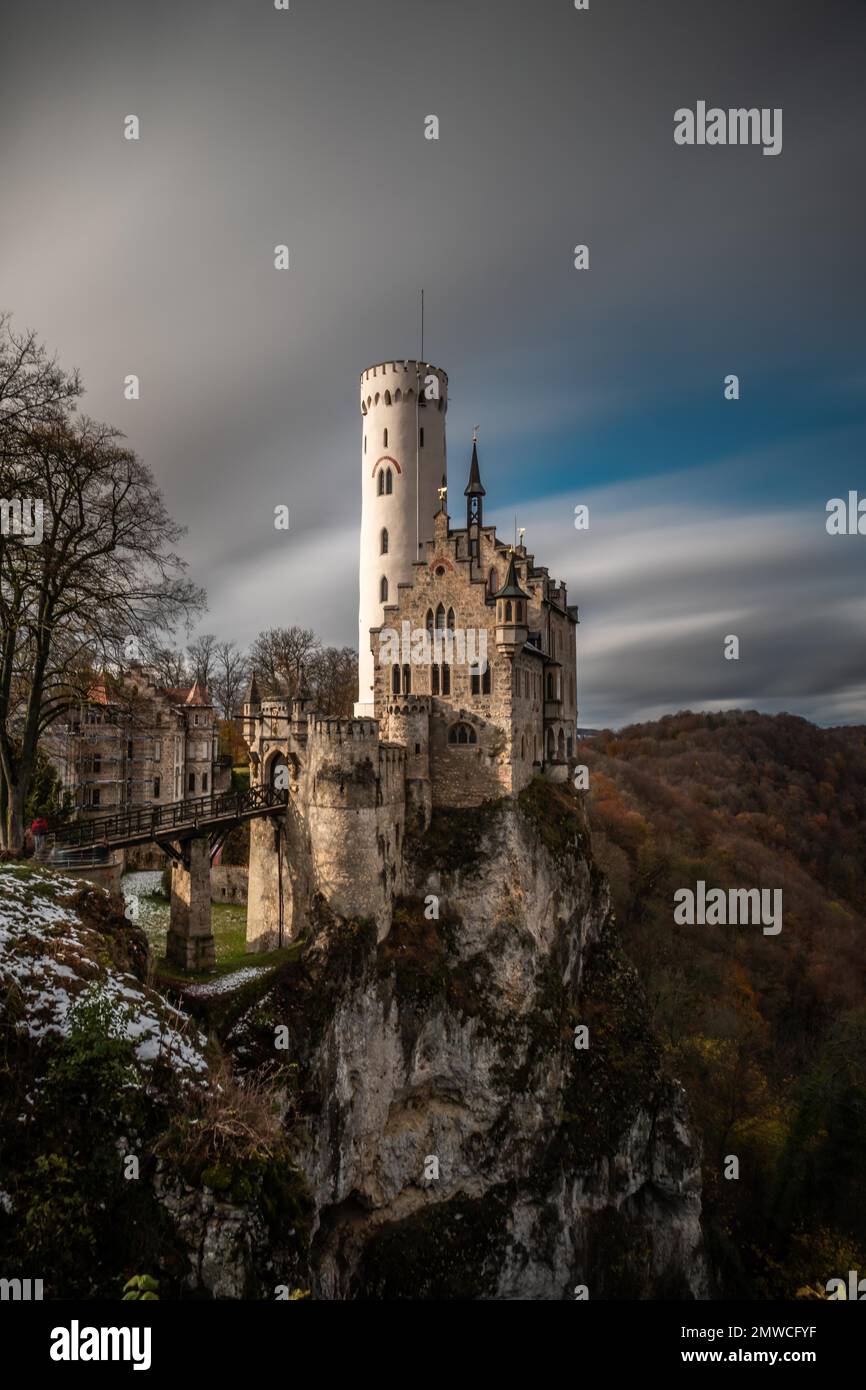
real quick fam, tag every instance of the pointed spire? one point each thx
(511, 588)
(473, 487)
(251, 696)
(197, 695)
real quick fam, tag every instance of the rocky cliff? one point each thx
(455, 1140)
(412, 1118)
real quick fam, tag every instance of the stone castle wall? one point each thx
(355, 809)
(341, 835)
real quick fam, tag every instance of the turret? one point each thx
(511, 612)
(251, 709)
(403, 407)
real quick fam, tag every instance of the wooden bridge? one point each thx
(190, 832)
(174, 823)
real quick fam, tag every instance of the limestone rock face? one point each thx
(455, 1141)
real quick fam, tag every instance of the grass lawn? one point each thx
(229, 921)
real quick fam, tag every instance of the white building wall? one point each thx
(400, 397)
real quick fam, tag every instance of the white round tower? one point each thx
(403, 406)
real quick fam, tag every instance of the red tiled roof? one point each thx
(198, 695)
(98, 693)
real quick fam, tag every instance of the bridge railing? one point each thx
(153, 821)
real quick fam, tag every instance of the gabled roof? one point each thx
(98, 693)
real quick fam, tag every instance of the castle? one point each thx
(467, 680)
(136, 744)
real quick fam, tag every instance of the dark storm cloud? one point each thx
(306, 127)
(661, 583)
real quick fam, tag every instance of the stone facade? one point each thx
(137, 745)
(342, 833)
(189, 941)
(521, 713)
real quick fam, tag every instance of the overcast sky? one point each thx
(605, 387)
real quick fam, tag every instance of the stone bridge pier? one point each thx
(190, 942)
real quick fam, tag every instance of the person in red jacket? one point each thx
(39, 829)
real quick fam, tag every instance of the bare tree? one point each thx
(333, 679)
(280, 656)
(230, 675)
(169, 668)
(201, 656)
(104, 571)
(34, 390)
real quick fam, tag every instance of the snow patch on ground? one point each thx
(52, 956)
(225, 983)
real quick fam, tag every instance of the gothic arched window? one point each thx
(508, 611)
(430, 621)
(462, 733)
(389, 482)
(380, 486)
(384, 541)
(383, 589)
(395, 680)
(385, 438)
(450, 620)
(440, 618)
(407, 680)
